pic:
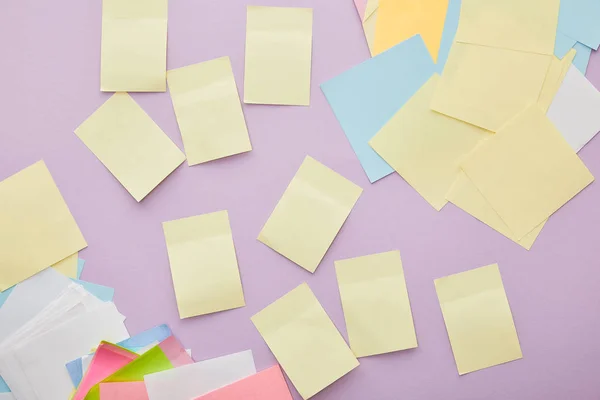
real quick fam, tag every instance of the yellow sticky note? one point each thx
(527, 171)
(528, 25)
(399, 20)
(278, 55)
(478, 319)
(376, 305)
(556, 74)
(464, 195)
(134, 45)
(305, 342)
(133, 148)
(203, 263)
(310, 213)
(487, 86)
(36, 226)
(208, 110)
(425, 147)
(68, 266)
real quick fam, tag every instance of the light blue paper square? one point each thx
(578, 19)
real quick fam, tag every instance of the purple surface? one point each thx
(50, 67)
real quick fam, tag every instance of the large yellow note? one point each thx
(278, 55)
(134, 45)
(478, 319)
(305, 342)
(36, 226)
(203, 264)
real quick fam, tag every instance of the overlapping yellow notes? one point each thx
(68, 266)
(556, 74)
(203, 263)
(133, 148)
(528, 25)
(278, 55)
(310, 213)
(369, 23)
(36, 226)
(478, 319)
(425, 147)
(488, 86)
(398, 20)
(208, 110)
(527, 171)
(376, 305)
(134, 45)
(304, 340)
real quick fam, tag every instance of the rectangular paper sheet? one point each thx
(486, 86)
(310, 214)
(191, 381)
(376, 305)
(278, 55)
(34, 216)
(304, 340)
(366, 96)
(527, 171)
(478, 319)
(208, 110)
(130, 145)
(203, 264)
(426, 147)
(134, 46)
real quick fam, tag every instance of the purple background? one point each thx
(50, 68)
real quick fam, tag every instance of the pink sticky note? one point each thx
(123, 391)
(107, 359)
(265, 385)
(175, 352)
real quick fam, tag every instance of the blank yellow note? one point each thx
(36, 226)
(527, 171)
(278, 55)
(398, 20)
(310, 214)
(305, 342)
(133, 148)
(68, 266)
(486, 86)
(464, 195)
(425, 147)
(376, 304)
(523, 25)
(203, 264)
(208, 110)
(478, 319)
(134, 45)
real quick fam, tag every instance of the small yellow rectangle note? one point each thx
(208, 110)
(203, 263)
(133, 148)
(36, 226)
(310, 214)
(305, 342)
(376, 305)
(278, 55)
(134, 46)
(478, 319)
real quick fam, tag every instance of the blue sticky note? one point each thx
(80, 265)
(564, 43)
(103, 293)
(4, 295)
(450, 28)
(578, 19)
(3, 386)
(366, 96)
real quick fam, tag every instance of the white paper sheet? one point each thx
(575, 110)
(193, 380)
(7, 396)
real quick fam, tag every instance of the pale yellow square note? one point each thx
(310, 214)
(376, 305)
(478, 319)
(305, 342)
(133, 148)
(36, 226)
(425, 147)
(203, 263)
(134, 46)
(278, 55)
(527, 171)
(208, 110)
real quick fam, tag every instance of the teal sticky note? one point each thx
(4, 295)
(564, 43)
(366, 96)
(80, 266)
(450, 28)
(578, 19)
